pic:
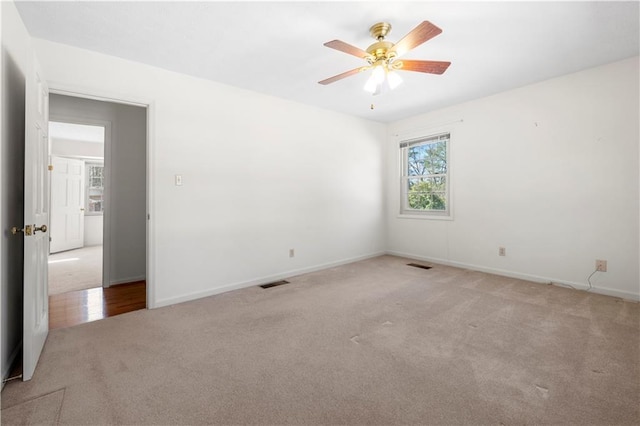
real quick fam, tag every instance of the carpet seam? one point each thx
(37, 397)
(64, 393)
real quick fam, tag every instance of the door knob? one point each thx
(27, 230)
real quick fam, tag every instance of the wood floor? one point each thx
(78, 307)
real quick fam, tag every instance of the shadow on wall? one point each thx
(12, 169)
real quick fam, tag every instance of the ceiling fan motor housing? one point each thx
(379, 50)
(380, 30)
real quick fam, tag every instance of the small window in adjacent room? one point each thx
(425, 176)
(95, 189)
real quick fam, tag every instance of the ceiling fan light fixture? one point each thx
(379, 73)
(382, 80)
(371, 85)
(394, 79)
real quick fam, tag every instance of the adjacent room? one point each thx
(76, 206)
(338, 212)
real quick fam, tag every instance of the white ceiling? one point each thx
(277, 47)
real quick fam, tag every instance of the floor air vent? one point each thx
(274, 284)
(415, 265)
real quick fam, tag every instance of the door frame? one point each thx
(106, 244)
(119, 98)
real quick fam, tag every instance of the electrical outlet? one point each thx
(502, 251)
(601, 265)
(178, 179)
(292, 253)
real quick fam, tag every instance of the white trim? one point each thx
(96, 95)
(522, 276)
(149, 104)
(128, 280)
(94, 160)
(264, 280)
(151, 207)
(424, 216)
(106, 209)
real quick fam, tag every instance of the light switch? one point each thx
(178, 180)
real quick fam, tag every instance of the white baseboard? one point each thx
(127, 280)
(6, 369)
(258, 281)
(528, 277)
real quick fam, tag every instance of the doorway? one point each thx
(98, 255)
(77, 206)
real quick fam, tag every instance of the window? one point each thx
(95, 188)
(425, 176)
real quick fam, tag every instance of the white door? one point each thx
(67, 204)
(36, 219)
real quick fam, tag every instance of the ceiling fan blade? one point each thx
(346, 48)
(420, 34)
(340, 76)
(431, 67)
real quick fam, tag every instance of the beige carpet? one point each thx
(75, 270)
(374, 342)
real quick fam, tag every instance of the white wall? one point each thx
(126, 196)
(261, 175)
(549, 171)
(75, 148)
(93, 231)
(16, 57)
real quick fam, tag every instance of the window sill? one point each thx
(424, 216)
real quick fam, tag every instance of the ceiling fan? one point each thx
(382, 57)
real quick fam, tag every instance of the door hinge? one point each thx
(50, 167)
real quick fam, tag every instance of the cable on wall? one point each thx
(589, 280)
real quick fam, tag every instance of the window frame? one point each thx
(403, 149)
(87, 165)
